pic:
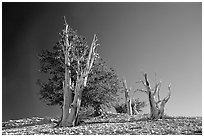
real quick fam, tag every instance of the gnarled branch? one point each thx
(169, 93)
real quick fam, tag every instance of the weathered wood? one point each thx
(127, 98)
(156, 106)
(67, 95)
(71, 105)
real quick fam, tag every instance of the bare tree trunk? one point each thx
(154, 112)
(127, 99)
(67, 79)
(71, 105)
(81, 83)
(156, 106)
(75, 106)
(129, 106)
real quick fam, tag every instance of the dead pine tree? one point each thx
(72, 101)
(127, 98)
(157, 105)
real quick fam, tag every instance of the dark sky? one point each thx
(135, 37)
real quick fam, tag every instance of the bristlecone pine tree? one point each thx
(71, 104)
(102, 85)
(156, 105)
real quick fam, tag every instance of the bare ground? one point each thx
(107, 124)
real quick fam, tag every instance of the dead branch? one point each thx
(141, 90)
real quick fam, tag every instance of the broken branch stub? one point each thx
(156, 106)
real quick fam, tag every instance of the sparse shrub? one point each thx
(86, 112)
(136, 105)
(121, 108)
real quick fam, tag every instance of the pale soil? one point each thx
(109, 124)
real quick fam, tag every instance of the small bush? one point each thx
(136, 106)
(121, 108)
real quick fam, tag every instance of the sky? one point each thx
(158, 38)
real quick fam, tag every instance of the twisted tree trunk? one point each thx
(67, 81)
(71, 106)
(156, 105)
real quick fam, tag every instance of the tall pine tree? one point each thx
(76, 76)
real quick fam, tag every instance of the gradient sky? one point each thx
(135, 37)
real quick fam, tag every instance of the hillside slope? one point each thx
(107, 124)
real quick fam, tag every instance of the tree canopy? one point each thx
(103, 83)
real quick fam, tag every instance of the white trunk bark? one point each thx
(71, 106)
(127, 99)
(75, 106)
(67, 98)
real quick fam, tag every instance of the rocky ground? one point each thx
(107, 124)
